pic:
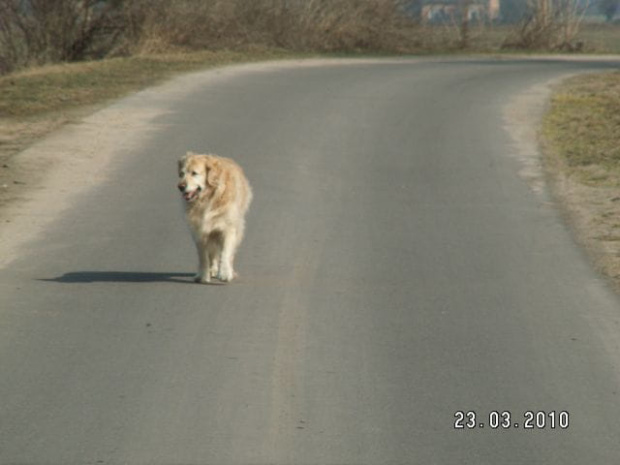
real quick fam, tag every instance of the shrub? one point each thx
(34, 32)
(43, 31)
(318, 25)
(549, 25)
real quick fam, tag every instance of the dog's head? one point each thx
(198, 176)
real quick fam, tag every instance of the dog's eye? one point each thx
(194, 173)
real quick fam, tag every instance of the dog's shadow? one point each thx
(86, 277)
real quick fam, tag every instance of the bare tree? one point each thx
(42, 31)
(465, 6)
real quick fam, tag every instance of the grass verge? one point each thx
(581, 141)
(64, 87)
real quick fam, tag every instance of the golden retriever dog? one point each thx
(217, 196)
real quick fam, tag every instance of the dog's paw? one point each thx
(226, 274)
(202, 278)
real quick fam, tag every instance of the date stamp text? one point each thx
(503, 420)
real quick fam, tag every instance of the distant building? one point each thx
(440, 11)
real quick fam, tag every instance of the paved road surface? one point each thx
(397, 269)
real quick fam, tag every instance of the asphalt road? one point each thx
(397, 269)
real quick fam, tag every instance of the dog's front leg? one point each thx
(214, 249)
(203, 263)
(227, 273)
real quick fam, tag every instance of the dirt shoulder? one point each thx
(580, 140)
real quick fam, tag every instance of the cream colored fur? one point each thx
(217, 196)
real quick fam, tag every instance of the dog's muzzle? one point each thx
(188, 195)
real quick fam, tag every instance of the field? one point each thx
(599, 38)
(581, 141)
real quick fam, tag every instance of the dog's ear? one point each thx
(213, 169)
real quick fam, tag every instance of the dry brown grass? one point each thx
(581, 139)
(62, 87)
(583, 127)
